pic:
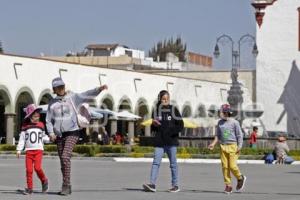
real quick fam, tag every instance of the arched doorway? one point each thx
(107, 102)
(201, 111)
(5, 107)
(45, 99)
(122, 125)
(141, 110)
(23, 99)
(187, 113)
(202, 116)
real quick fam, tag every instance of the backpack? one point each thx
(269, 158)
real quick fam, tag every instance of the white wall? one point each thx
(120, 51)
(36, 75)
(277, 87)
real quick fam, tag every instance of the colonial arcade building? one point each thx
(25, 80)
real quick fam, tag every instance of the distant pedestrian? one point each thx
(167, 124)
(230, 137)
(253, 138)
(281, 149)
(32, 138)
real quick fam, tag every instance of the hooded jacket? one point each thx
(61, 116)
(171, 121)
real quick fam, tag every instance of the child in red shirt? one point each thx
(253, 138)
(32, 137)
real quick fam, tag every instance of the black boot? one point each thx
(65, 190)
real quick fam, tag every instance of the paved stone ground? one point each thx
(106, 179)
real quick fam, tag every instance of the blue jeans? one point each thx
(158, 154)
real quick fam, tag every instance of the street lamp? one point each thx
(235, 94)
(108, 54)
(236, 54)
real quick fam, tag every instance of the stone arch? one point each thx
(45, 97)
(187, 110)
(107, 102)
(5, 108)
(23, 98)
(201, 111)
(142, 109)
(213, 111)
(122, 125)
(6, 99)
(125, 104)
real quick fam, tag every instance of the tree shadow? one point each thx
(290, 99)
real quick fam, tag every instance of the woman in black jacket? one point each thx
(167, 124)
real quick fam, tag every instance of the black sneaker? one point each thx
(27, 191)
(149, 188)
(45, 187)
(174, 189)
(228, 189)
(241, 183)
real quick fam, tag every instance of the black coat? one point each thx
(171, 125)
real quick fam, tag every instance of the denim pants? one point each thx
(158, 154)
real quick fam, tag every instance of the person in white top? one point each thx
(32, 138)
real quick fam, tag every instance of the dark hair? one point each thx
(159, 97)
(255, 128)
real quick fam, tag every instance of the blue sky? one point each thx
(58, 26)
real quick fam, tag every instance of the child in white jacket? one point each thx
(32, 138)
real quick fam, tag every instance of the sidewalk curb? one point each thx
(195, 161)
(146, 160)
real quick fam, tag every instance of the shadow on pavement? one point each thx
(20, 192)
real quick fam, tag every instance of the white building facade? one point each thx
(278, 64)
(25, 80)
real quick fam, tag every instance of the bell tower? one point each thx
(260, 6)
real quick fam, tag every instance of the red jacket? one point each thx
(253, 138)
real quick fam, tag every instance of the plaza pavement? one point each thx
(107, 179)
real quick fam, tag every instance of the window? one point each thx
(128, 53)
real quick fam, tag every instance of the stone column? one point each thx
(10, 127)
(93, 137)
(113, 127)
(147, 131)
(131, 132)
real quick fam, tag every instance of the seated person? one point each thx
(281, 149)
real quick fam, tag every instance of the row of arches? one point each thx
(25, 96)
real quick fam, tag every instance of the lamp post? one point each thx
(235, 94)
(107, 57)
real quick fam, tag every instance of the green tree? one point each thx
(1, 49)
(177, 47)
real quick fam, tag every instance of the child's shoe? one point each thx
(241, 183)
(228, 189)
(45, 187)
(27, 191)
